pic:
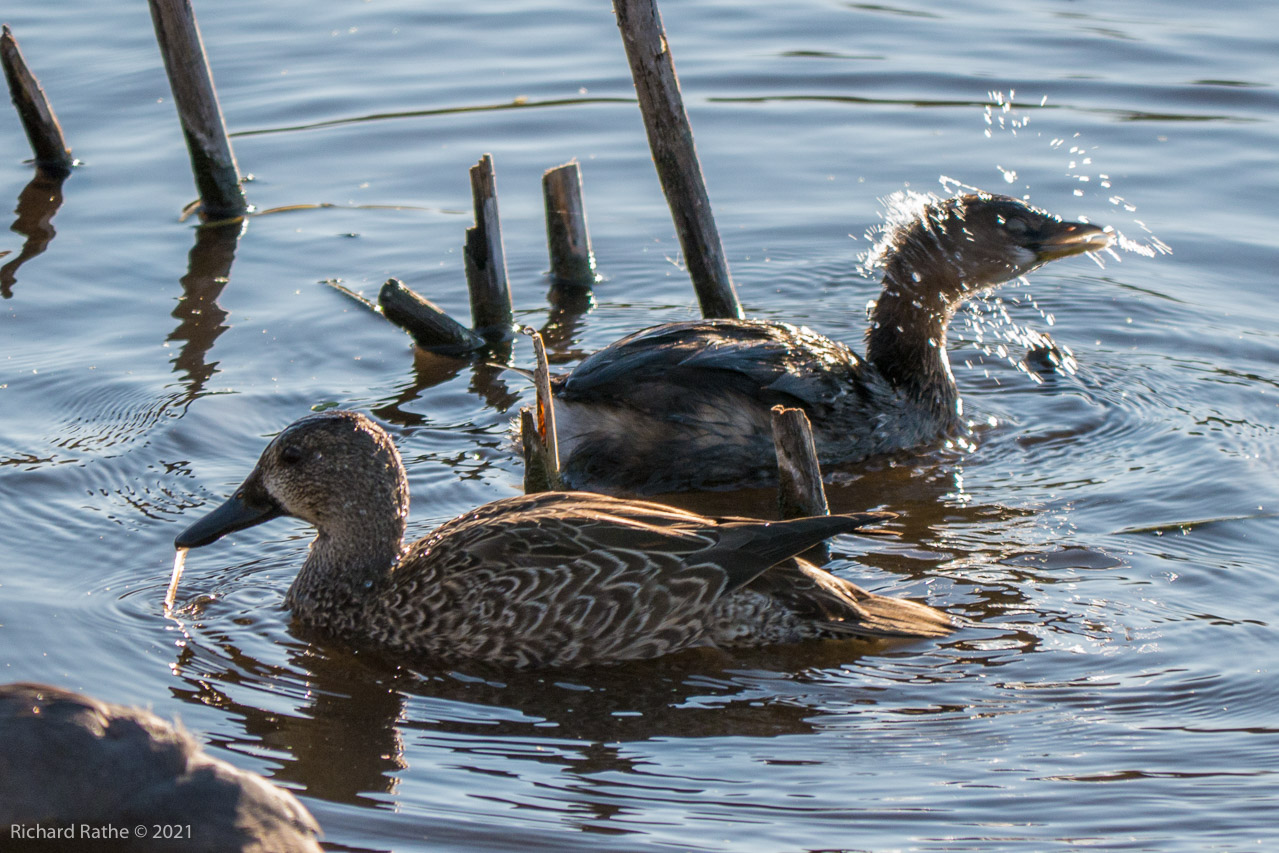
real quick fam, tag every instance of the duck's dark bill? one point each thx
(235, 514)
(1073, 238)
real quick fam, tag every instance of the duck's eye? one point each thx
(291, 455)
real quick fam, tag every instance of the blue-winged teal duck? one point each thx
(553, 579)
(686, 405)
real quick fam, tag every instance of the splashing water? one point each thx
(993, 332)
(902, 209)
(1001, 115)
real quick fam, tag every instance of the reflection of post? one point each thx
(208, 268)
(568, 306)
(37, 204)
(429, 369)
(487, 381)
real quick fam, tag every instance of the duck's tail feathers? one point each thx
(748, 548)
(833, 607)
(881, 616)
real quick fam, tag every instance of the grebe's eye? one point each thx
(291, 455)
(1015, 225)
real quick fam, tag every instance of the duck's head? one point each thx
(969, 243)
(337, 470)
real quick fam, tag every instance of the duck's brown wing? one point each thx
(575, 578)
(558, 526)
(658, 368)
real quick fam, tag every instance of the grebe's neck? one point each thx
(907, 338)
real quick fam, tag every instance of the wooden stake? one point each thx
(800, 491)
(491, 312)
(670, 138)
(541, 450)
(430, 327)
(216, 175)
(52, 155)
(572, 261)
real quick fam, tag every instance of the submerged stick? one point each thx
(800, 491)
(572, 261)
(170, 595)
(670, 137)
(541, 449)
(217, 176)
(431, 328)
(491, 312)
(52, 154)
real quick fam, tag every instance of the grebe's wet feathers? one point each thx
(686, 405)
(775, 363)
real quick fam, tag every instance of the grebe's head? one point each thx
(969, 243)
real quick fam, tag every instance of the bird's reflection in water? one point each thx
(340, 734)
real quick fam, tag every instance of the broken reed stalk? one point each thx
(800, 491)
(572, 261)
(535, 477)
(430, 327)
(217, 176)
(541, 448)
(491, 313)
(52, 154)
(670, 137)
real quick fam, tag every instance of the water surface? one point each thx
(1108, 534)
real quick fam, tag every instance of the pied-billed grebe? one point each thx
(68, 760)
(553, 579)
(686, 405)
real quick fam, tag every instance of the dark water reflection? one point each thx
(37, 205)
(1105, 534)
(202, 320)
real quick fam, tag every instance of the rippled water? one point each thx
(1109, 534)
